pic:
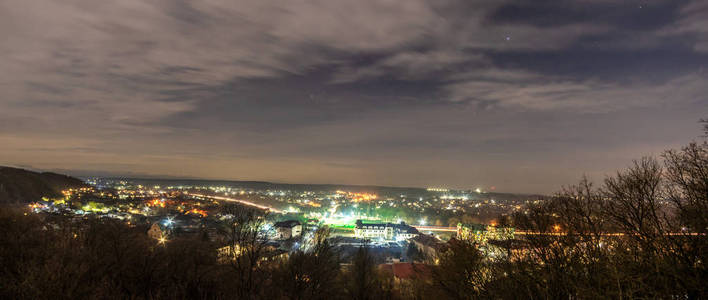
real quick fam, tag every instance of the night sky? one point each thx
(523, 96)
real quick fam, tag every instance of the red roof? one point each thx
(406, 270)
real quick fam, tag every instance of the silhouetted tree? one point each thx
(363, 280)
(461, 273)
(243, 232)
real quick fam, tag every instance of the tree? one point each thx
(363, 280)
(461, 273)
(687, 190)
(246, 239)
(413, 254)
(313, 274)
(635, 205)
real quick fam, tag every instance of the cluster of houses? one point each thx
(403, 273)
(487, 237)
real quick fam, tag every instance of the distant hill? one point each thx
(22, 186)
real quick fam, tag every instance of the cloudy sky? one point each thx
(524, 96)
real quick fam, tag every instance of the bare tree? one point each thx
(313, 274)
(687, 175)
(246, 241)
(635, 201)
(461, 273)
(687, 172)
(363, 280)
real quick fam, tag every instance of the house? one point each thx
(157, 232)
(404, 276)
(429, 246)
(288, 229)
(406, 271)
(312, 223)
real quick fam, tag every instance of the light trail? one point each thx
(607, 234)
(239, 201)
(435, 228)
(520, 232)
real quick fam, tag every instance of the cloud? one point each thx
(122, 64)
(410, 65)
(328, 87)
(589, 96)
(693, 21)
(130, 61)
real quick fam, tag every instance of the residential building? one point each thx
(429, 246)
(157, 232)
(406, 271)
(288, 229)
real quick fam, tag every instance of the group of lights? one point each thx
(36, 205)
(197, 212)
(452, 197)
(156, 203)
(358, 197)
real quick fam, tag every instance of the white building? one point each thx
(386, 231)
(288, 229)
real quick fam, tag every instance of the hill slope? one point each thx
(22, 186)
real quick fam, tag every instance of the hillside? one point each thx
(22, 186)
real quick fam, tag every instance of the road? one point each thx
(244, 202)
(520, 232)
(435, 228)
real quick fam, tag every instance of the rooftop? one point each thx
(406, 270)
(287, 224)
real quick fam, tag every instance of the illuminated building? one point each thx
(481, 233)
(156, 232)
(288, 229)
(386, 231)
(228, 253)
